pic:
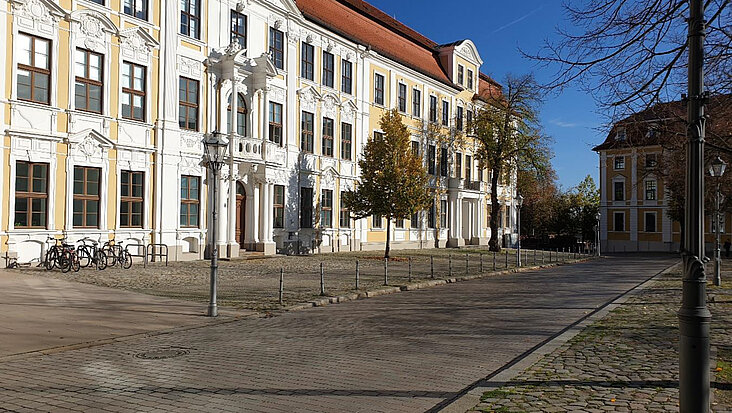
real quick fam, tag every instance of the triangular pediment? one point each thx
(265, 61)
(288, 6)
(468, 50)
(85, 17)
(34, 8)
(142, 34)
(90, 136)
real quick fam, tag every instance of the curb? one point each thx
(470, 397)
(321, 302)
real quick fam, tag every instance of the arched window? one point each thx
(241, 116)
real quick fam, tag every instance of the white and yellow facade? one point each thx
(105, 105)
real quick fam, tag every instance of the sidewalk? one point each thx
(42, 313)
(626, 361)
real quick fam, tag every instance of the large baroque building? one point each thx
(637, 167)
(106, 102)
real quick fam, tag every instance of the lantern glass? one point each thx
(519, 201)
(717, 167)
(215, 146)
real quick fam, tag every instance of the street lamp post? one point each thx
(716, 169)
(597, 233)
(214, 147)
(519, 203)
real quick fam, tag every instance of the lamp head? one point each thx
(717, 167)
(214, 148)
(519, 201)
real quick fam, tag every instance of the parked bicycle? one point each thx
(61, 255)
(116, 254)
(53, 252)
(90, 254)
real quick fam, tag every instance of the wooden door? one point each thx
(241, 203)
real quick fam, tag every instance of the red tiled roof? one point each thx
(362, 23)
(488, 89)
(669, 119)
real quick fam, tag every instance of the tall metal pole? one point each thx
(718, 224)
(518, 245)
(213, 310)
(694, 315)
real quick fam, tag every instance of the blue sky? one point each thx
(498, 28)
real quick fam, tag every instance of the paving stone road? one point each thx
(405, 352)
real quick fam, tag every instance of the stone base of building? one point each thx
(479, 241)
(456, 242)
(619, 247)
(268, 248)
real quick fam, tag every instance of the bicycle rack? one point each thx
(157, 250)
(141, 252)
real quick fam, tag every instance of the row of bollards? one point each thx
(555, 256)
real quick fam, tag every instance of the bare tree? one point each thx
(632, 54)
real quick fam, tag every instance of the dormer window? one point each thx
(470, 79)
(619, 162)
(651, 160)
(620, 135)
(460, 75)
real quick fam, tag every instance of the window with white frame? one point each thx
(136, 8)
(34, 69)
(190, 18)
(133, 91)
(416, 102)
(651, 190)
(89, 74)
(277, 47)
(619, 221)
(402, 98)
(239, 28)
(650, 221)
(619, 162)
(31, 195)
(619, 190)
(378, 89)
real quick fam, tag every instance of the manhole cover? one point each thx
(162, 354)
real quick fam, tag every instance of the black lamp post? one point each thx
(716, 169)
(214, 146)
(519, 203)
(597, 231)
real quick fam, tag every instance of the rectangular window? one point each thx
(136, 8)
(345, 217)
(378, 89)
(414, 221)
(417, 103)
(376, 221)
(443, 214)
(306, 207)
(431, 159)
(306, 137)
(190, 195)
(650, 221)
(650, 190)
(328, 69)
(327, 148)
(238, 29)
(278, 207)
(468, 168)
(346, 141)
(461, 75)
(431, 216)
(133, 91)
(445, 113)
(459, 118)
(34, 69)
(415, 148)
(307, 68)
(86, 197)
(433, 108)
(619, 162)
(469, 120)
(326, 208)
(188, 104)
(458, 165)
(131, 199)
(443, 161)
(31, 194)
(89, 75)
(277, 47)
(346, 76)
(651, 160)
(399, 223)
(190, 18)
(402, 98)
(619, 221)
(470, 79)
(275, 123)
(619, 188)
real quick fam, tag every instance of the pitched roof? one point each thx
(666, 120)
(364, 24)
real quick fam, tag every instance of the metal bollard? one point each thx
(534, 257)
(542, 257)
(357, 275)
(386, 271)
(322, 280)
(467, 264)
(449, 264)
(409, 276)
(432, 266)
(494, 260)
(506, 258)
(282, 285)
(481, 263)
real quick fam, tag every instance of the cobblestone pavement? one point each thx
(398, 353)
(627, 361)
(254, 283)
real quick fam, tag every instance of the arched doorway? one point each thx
(241, 203)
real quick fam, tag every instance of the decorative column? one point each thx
(231, 241)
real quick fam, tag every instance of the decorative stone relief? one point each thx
(327, 179)
(277, 176)
(190, 166)
(137, 44)
(243, 4)
(348, 113)
(191, 142)
(308, 100)
(330, 105)
(37, 14)
(276, 94)
(190, 67)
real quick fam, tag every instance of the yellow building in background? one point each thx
(106, 103)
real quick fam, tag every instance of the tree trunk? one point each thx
(388, 238)
(494, 244)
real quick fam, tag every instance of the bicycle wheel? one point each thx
(84, 255)
(51, 257)
(75, 263)
(111, 258)
(100, 258)
(125, 260)
(65, 261)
